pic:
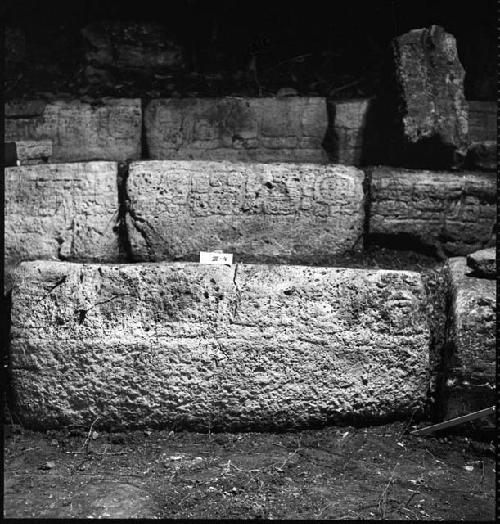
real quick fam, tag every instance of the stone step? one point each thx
(215, 347)
(293, 213)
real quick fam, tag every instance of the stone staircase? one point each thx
(113, 318)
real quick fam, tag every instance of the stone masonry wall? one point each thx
(237, 129)
(221, 347)
(107, 130)
(294, 213)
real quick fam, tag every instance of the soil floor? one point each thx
(377, 472)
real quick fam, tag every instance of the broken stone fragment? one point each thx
(433, 109)
(484, 262)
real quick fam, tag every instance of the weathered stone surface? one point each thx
(483, 155)
(109, 130)
(454, 212)
(470, 362)
(482, 121)
(433, 107)
(27, 152)
(61, 211)
(137, 48)
(349, 122)
(484, 262)
(295, 213)
(289, 129)
(221, 347)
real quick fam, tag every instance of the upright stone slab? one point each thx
(453, 212)
(470, 362)
(295, 213)
(349, 124)
(433, 108)
(215, 347)
(289, 129)
(109, 129)
(67, 211)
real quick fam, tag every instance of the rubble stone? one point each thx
(61, 211)
(452, 212)
(484, 262)
(222, 347)
(79, 131)
(294, 213)
(433, 106)
(287, 129)
(470, 360)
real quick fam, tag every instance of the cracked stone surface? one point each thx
(289, 129)
(66, 211)
(455, 212)
(108, 130)
(471, 341)
(295, 213)
(227, 347)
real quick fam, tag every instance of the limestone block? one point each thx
(107, 130)
(61, 211)
(296, 213)
(27, 152)
(433, 110)
(454, 212)
(470, 360)
(222, 347)
(289, 129)
(483, 262)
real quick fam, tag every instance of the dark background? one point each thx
(343, 41)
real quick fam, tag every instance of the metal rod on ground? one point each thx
(454, 421)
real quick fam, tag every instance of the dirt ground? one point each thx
(378, 472)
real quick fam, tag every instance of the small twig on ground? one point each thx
(89, 436)
(383, 496)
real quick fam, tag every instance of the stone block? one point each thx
(452, 212)
(482, 121)
(482, 155)
(27, 152)
(483, 263)
(289, 129)
(215, 347)
(294, 213)
(433, 111)
(67, 211)
(107, 130)
(470, 359)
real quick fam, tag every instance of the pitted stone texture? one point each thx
(221, 347)
(455, 212)
(470, 362)
(483, 262)
(61, 211)
(238, 129)
(430, 78)
(108, 130)
(349, 130)
(296, 213)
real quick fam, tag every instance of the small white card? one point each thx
(215, 257)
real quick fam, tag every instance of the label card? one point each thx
(216, 257)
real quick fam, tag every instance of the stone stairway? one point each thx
(113, 318)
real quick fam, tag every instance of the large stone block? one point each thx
(65, 211)
(107, 130)
(453, 212)
(289, 129)
(470, 359)
(296, 213)
(220, 347)
(433, 112)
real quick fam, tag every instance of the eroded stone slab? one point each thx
(65, 211)
(289, 129)
(107, 130)
(294, 213)
(221, 347)
(454, 212)
(470, 362)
